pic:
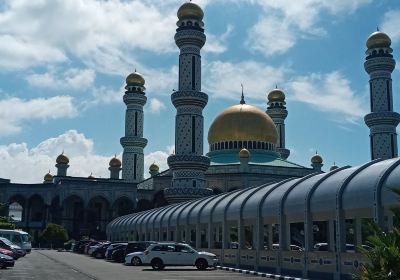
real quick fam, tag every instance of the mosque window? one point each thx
(240, 144)
(235, 145)
(134, 166)
(230, 145)
(182, 23)
(193, 134)
(194, 183)
(193, 72)
(250, 144)
(374, 52)
(380, 51)
(226, 145)
(370, 97)
(392, 143)
(388, 95)
(189, 23)
(254, 145)
(136, 122)
(219, 146)
(245, 144)
(263, 145)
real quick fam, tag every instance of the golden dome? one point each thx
(135, 79)
(276, 95)
(316, 159)
(244, 153)
(190, 10)
(154, 167)
(48, 177)
(114, 162)
(62, 159)
(378, 39)
(242, 123)
(333, 167)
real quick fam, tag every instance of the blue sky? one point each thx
(63, 65)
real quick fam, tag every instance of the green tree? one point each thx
(54, 236)
(384, 257)
(5, 221)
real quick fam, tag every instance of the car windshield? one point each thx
(6, 241)
(26, 238)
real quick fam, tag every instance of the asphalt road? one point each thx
(53, 265)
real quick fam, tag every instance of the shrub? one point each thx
(54, 236)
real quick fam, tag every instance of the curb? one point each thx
(261, 274)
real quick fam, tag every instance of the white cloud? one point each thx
(24, 165)
(329, 93)
(218, 43)
(17, 52)
(284, 22)
(390, 25)
(76, 79)
(14, 111)
(223, 79)
(156, 106)
(98, 32)
(28, 165)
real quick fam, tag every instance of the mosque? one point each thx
(243, 200)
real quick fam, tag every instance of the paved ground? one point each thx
(50, 265)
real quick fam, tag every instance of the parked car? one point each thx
(133, 247)
(178, 254)
(79, 246)
(94, 247)
(100, 252)
(9, 253)
(88, 245)
(118, 255)
(292, 247)
(7, 244)
(6, 261)
(112, 248)
(323, 246)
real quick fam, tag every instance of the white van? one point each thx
(18, 237)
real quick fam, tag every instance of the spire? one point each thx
(242, 97)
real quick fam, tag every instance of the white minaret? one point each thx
(188, 163)
(133, 142)
(278, 113)
(382, 121)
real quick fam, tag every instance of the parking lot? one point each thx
(46, 265)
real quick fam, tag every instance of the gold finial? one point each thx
(377, 28)
(135, 69)
(242, 97)
(276, 86)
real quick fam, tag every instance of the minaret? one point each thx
(114, 167)
(382, 121)
(48, 178)
(317, 162)
(62, 164)
(188, 163)
(278, 113)
(133, 142)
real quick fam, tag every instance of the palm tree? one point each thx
(384, 256)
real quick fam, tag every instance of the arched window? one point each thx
(230, 145)
(263, 145)
(245, 144)
(258, 145)
(240, 144)
(235, 145)
(223, 145)
(250, 144)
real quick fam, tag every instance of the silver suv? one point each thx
(176, 254)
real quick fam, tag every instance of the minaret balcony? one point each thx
(190, 37)
(374, 64)
(135, 98)
(189, 98)
(133, 141)
(197, 162)
(382, 118)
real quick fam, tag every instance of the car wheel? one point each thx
(98, 255)
(136, 261)
(157, 264)
(201, 264)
